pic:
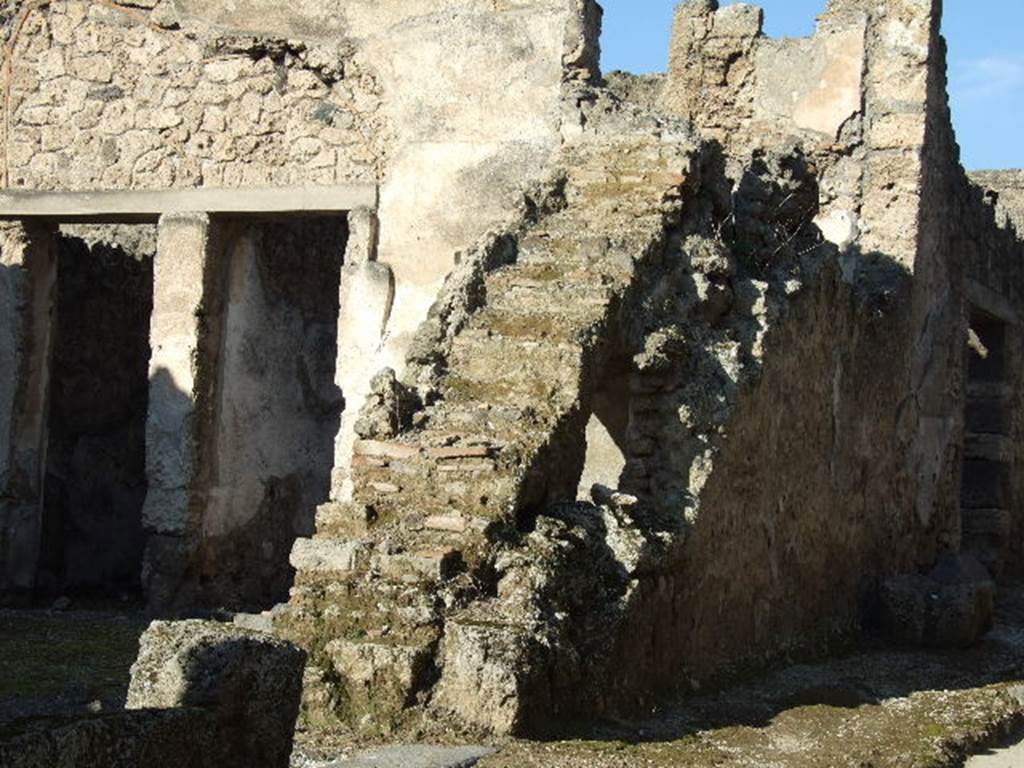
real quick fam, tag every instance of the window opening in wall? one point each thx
(606, 437)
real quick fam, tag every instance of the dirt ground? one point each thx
(876, 708)
(65, 662)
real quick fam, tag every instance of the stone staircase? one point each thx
(384, 589)
(988, 458)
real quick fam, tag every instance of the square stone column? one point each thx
(366, 296)
(28, 272)
(185, 338)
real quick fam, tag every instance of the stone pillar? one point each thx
(184, 336)
(28, 271)
(367, 292)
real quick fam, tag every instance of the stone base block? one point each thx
(250, 681)
(951, 607)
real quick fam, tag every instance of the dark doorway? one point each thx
(277, 407)
(985, 492)
(95, 482)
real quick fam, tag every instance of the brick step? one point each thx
(383, 478)
(420, 448)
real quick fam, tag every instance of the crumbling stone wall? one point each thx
(138, 104)
(914, 243)
(1006, 189)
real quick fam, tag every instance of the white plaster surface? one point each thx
(367, 295)
(815, 81)
(605, 460)
(266, 432)
(179, 272)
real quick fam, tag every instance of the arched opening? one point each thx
(606, 436)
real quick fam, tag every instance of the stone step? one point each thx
(989, 390)
(337, 557)
(497, 423)
(509, 308)
(989, 447)
(415, 567)
(986, 522)
(518, 367)
(341, 520)
(474, 496)
(346, 558)
(499, 392)
(380, 676)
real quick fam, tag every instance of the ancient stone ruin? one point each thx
(511, 391)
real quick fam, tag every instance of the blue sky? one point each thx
(986, 58)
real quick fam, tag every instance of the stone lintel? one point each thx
(128, 206)
(991, 301)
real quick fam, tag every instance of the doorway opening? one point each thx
(278, 407)
(95, 469)
(985, 492)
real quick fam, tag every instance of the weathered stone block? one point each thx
(329, 555)
(951, 607)
(379, 676)
(180, 738)
(483, 675)
(251, 682)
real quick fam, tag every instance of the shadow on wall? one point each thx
(169, 566)
(266, 444)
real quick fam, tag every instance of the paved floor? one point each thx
(1009, 757)
(412, 756)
